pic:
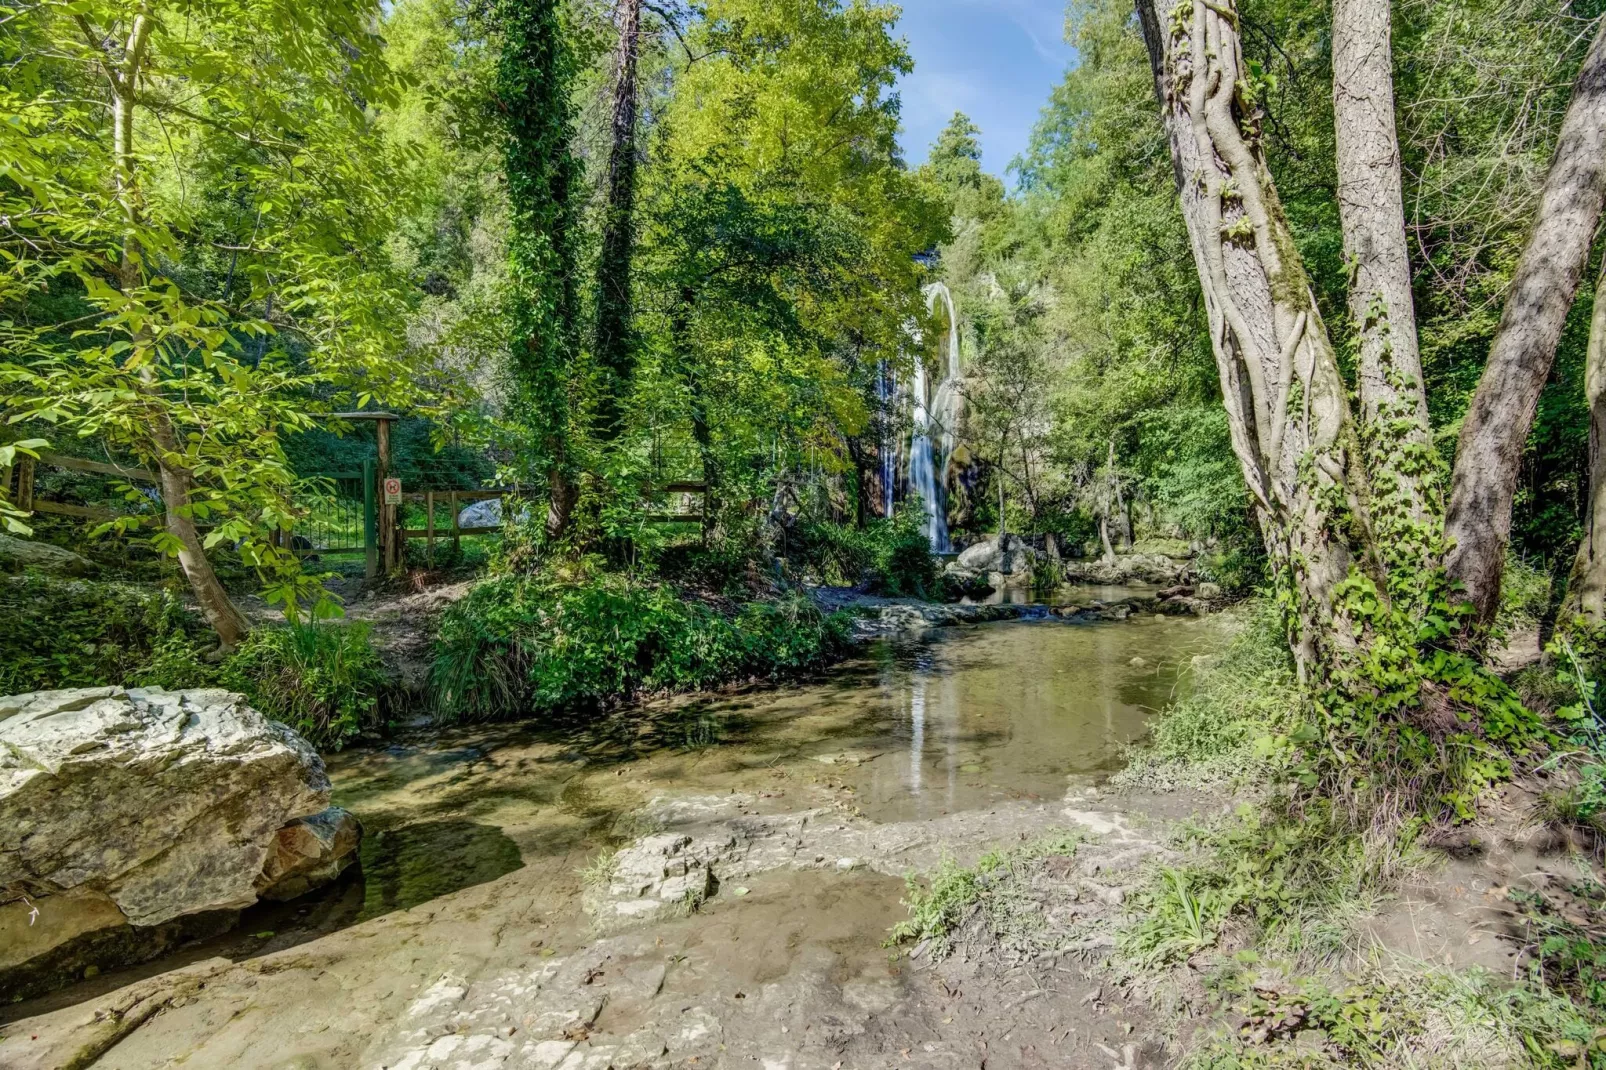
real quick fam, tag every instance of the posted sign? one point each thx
(392, 491)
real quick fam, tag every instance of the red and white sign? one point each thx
(392, 491)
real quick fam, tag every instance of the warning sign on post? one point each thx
(392, 491)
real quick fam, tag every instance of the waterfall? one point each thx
(925, 477)
(885, 386)
(944, 407)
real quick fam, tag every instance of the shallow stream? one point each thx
(957, 719)
(465, 938)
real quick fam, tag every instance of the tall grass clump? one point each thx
(522, 645)
(1227, 727)
(322, 679)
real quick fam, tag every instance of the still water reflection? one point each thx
(1017, 711)
(960, 718)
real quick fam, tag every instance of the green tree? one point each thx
(778, 252)
(195, 201)
(533, 77)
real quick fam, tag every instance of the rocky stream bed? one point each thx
(704, 882)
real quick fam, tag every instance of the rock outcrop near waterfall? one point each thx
(133, 820)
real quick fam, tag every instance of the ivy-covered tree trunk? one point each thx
(1489, 454)
(614, 345)
(533, 77)
(1406, 505)
(1286, 400)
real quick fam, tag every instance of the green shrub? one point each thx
(1236, 569)
(1524, 595)
(999, 885)
(890, 557)
(58, 633)
(519, 645)
(323, 680)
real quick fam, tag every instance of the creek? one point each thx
(478, 841)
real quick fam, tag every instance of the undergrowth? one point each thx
(1264, 904)
(1227, 727)
(1281, 879)
(60, 633)
(325, 680)
(886, 557)
(520, 646)
(1395, 1012)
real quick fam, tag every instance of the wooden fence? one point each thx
(382, 538)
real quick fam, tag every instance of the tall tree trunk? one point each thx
(702, 431)
(1286, 401)
(533, 78)
(1489, 454)
(614, 344)
(176, 480)
(1586, 588)
(1406, 505)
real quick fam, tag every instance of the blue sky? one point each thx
(994, 60)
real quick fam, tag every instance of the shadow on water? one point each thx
(412, 864)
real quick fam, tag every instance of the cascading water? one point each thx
(925, 477)
(923, 468)
(885, 386)
(945, 406)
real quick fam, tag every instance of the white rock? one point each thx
(1010, 556)
(142, 806)
(487, 514)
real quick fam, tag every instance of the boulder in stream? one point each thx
(134, 820)
(1007, 556)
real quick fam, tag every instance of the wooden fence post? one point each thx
(24, 497)
(389, 552)
(429, 529)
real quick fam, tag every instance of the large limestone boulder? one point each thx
(1008, 556)
(127, 814)
(488, 514)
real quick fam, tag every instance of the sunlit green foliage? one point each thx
(197, 201)
(890, 557)
(519, 646)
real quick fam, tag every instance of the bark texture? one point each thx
(1406, 505)
(1586, 588)
(1489, 454)
(1285, 399)
(614, 349)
